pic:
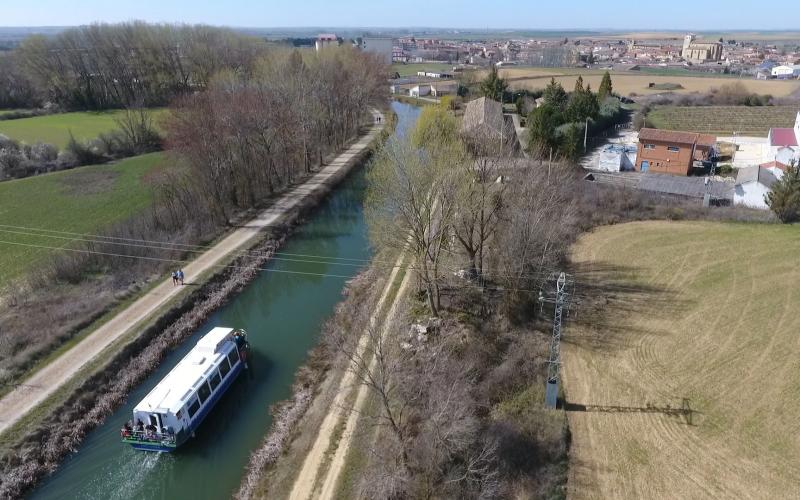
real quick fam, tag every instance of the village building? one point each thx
(485, 125)
(785, 143)
(698, 52)
(325, 40)
(786, 72)
(672, 152)
(384, 47)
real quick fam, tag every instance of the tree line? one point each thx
(558, 126)
(104, 66)
(252, 134)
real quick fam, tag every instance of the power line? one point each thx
(157, 259)
(277, 255)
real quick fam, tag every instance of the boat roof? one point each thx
(172, 392)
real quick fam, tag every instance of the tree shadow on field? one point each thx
(609, 308)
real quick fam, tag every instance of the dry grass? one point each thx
(681, 372)
(627, 82)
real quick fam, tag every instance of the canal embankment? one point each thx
(77, 404)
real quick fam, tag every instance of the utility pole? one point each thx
(561, 300)
(585, 134)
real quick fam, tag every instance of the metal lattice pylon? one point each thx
(551, 390)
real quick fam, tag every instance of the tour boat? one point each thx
(169, 415)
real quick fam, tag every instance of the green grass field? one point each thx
(55, 129)
(83, 200)
(681, 361)
(411, 69)
(723, 120)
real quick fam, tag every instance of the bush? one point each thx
(84, 153)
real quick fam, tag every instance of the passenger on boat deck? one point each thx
(139, 425)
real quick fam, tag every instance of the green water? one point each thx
(283, 315)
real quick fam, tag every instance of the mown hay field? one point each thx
(682, 366)
(82, 200)
(55, 129)
(724, 120)
(631, 82)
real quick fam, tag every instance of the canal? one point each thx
(283, 314)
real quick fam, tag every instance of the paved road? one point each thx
(46, 381)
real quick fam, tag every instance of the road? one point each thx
(50, 378)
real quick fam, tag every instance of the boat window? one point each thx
(194, 407)
(203, 392)
(214, 380)
(224, 367)
(233, 356)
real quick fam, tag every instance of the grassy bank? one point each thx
(55, 129)
(82, 200)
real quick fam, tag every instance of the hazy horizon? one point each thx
(469, 15)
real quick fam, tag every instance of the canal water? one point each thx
(283, 314)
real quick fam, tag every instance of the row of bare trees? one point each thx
(462, 204)
(115, 65)
(251, 135)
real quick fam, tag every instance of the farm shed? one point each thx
(419, 90)
(689, 187)
(752, 186)
(617, 158)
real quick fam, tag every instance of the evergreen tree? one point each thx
(784, 198)
(570, 146)
(493, 86)
(555, 95)
(542, 124)
(578, 85)
(582, 103)
(606, 89)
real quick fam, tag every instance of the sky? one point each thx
(641, 15)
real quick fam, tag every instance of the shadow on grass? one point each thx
(683, 411)
(608, 304)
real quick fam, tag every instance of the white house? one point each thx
(784, 143)
(441, 89)
(752, 186)
(419, 90)
(786, 71)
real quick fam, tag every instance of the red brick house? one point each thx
(672, 152)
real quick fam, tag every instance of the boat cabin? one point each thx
(175, 407)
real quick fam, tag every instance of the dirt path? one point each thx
(335, 469)
(46, 381)
(306, 480)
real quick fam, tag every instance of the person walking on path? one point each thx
(180, 275)
(174, 278)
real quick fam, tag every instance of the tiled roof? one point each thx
(676, 137)
(483, 111)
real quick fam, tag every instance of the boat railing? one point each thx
(149, 436)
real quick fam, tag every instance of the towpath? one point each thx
(45, 382)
